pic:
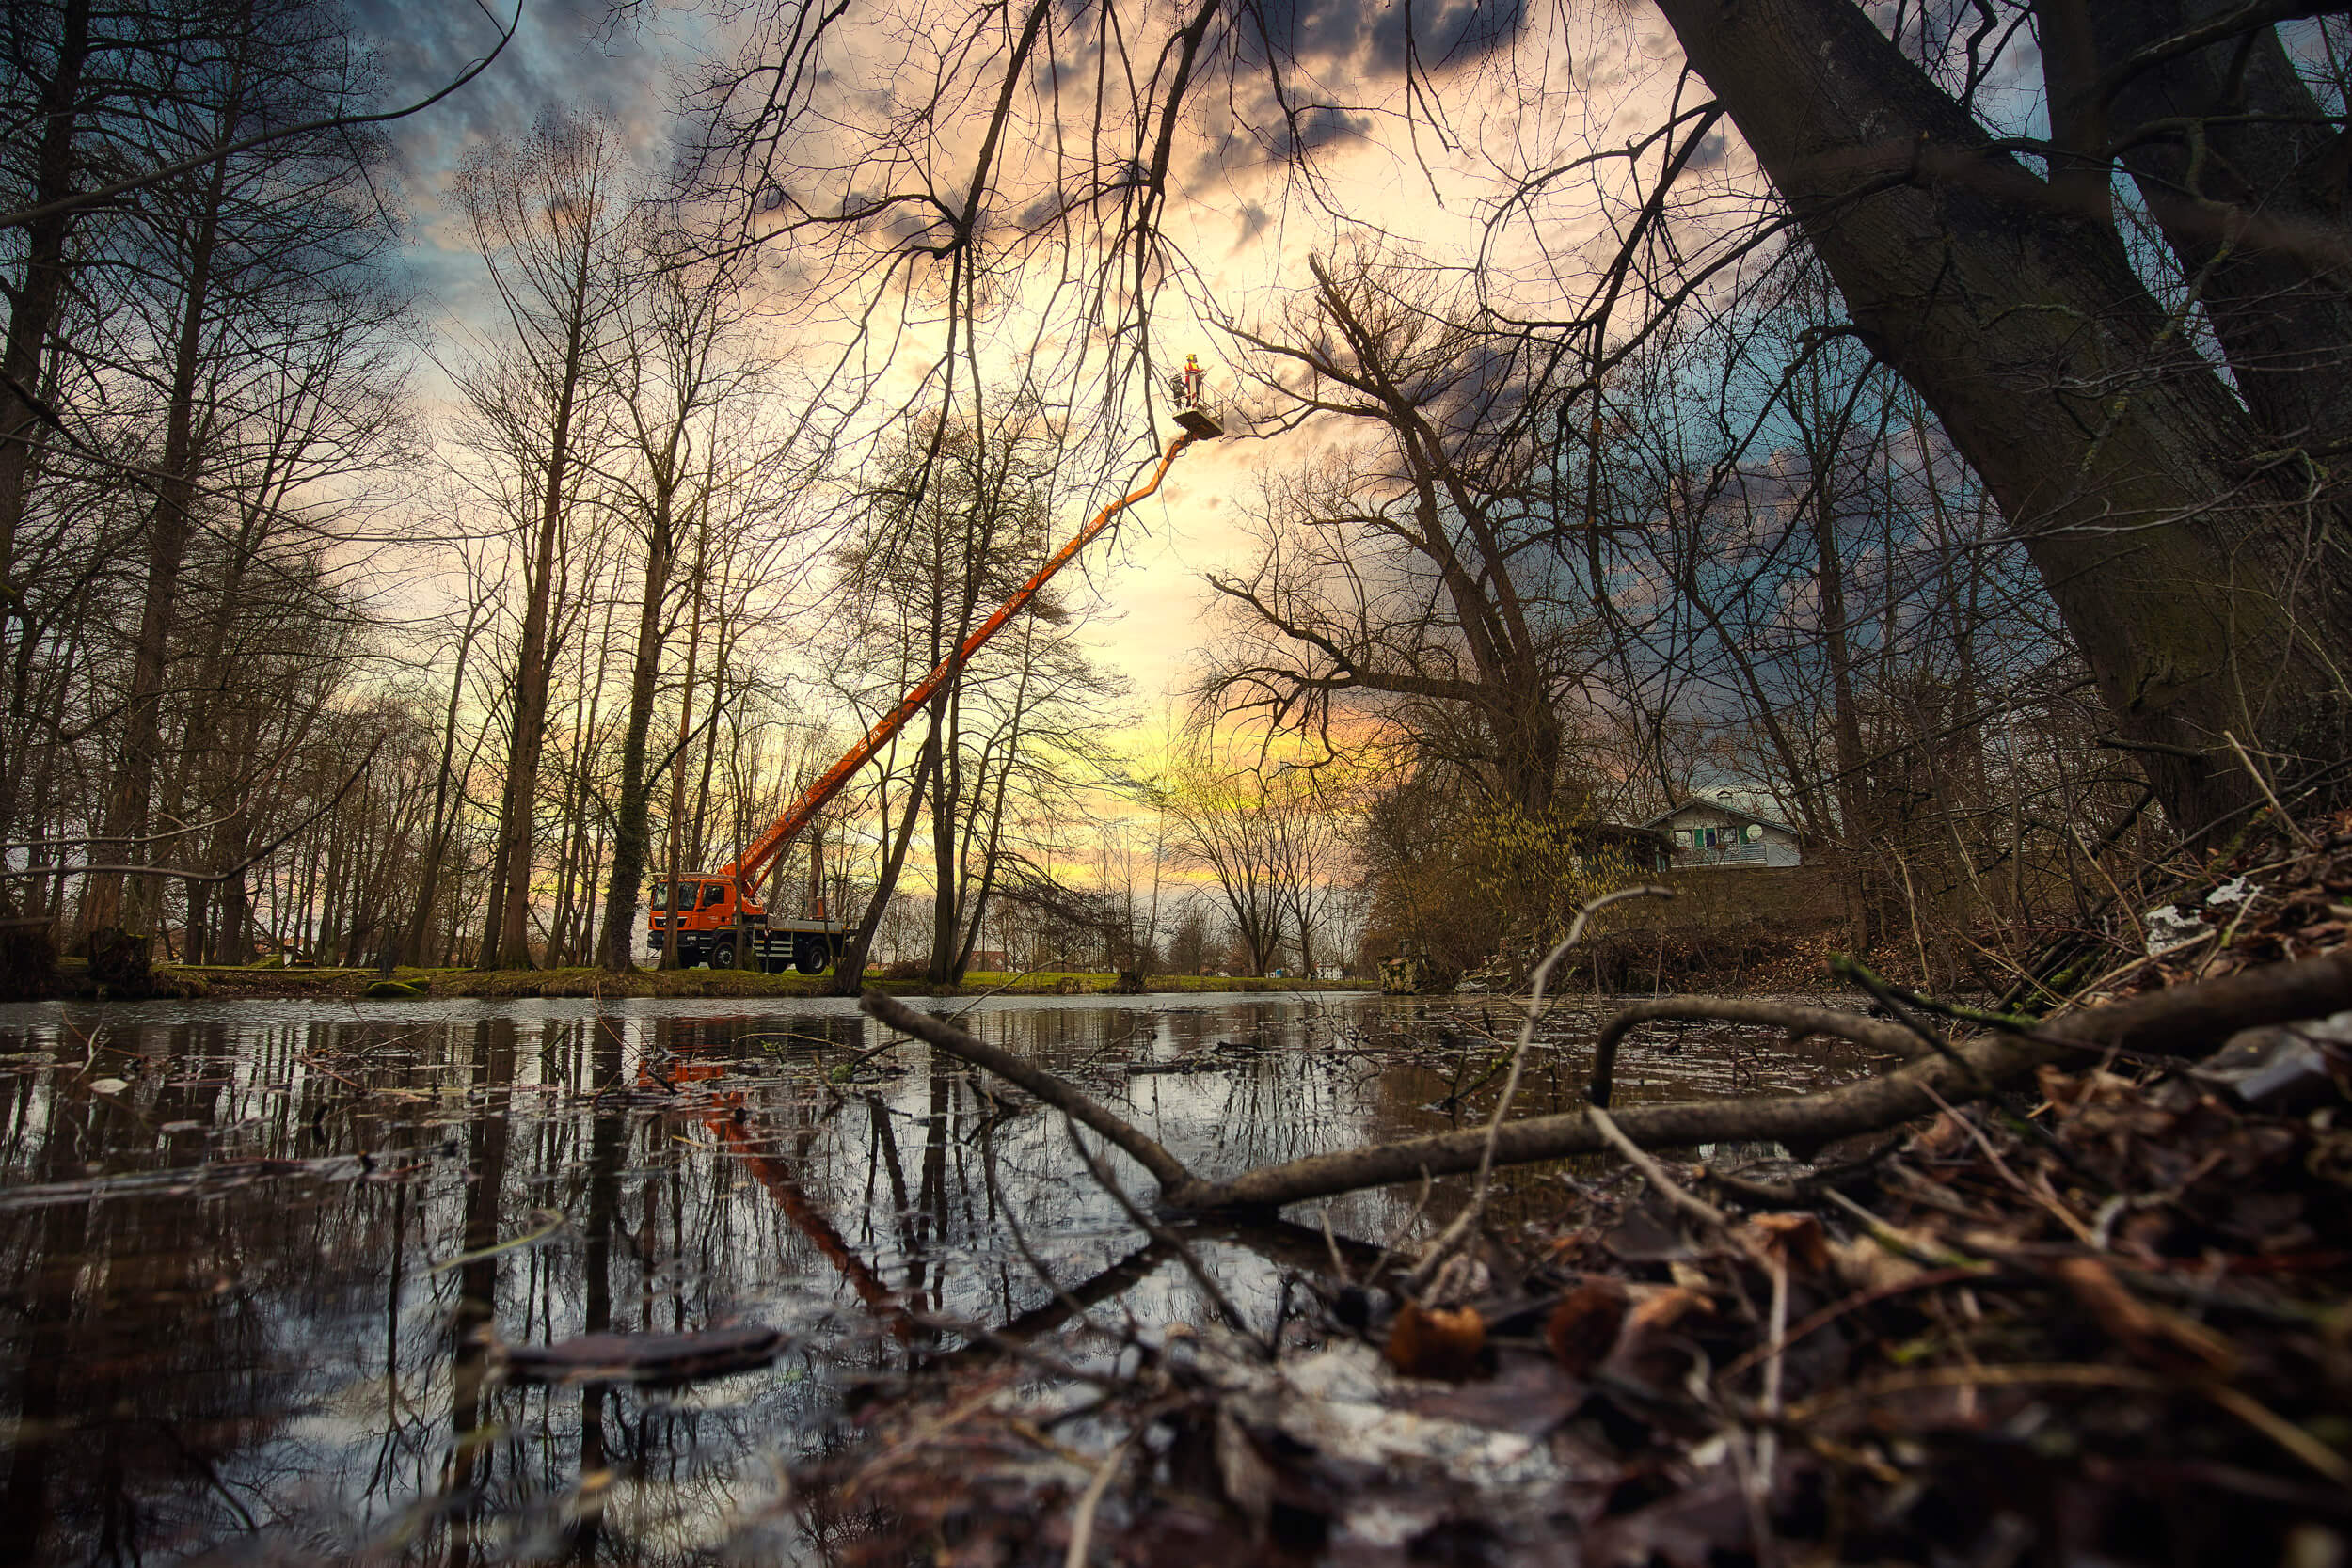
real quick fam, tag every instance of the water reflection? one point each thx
(256, 1291)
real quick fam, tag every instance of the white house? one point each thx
(1707, 833)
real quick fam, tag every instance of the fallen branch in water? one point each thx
(1168, 1171)
(2185, 1021)
(1655, 1174)
(1799, 1019)
(1452, 1239)
(1213, 1293)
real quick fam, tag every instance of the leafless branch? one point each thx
(237, 870)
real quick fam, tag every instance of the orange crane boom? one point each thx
(747, 866)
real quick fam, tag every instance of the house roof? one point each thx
(1710, 803)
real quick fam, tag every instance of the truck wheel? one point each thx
(808, 955)
(723, 955)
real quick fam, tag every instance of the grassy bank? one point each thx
(269, 982)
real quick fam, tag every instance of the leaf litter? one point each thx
(2107, 1320)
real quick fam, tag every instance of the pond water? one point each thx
(256, 1254)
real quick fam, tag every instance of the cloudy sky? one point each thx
(1242, 218)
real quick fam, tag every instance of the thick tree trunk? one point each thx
(506, 945)
(2256, 207)
(1527, 744)
(631, 837)
(233, 944)
(2203, 593)
(106, 901)
(37, 295)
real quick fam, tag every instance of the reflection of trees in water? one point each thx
(707, 1169)
(147, 1363)
(158, 1348)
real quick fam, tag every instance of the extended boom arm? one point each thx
(748, 868)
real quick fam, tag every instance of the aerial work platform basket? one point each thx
(1194, 416)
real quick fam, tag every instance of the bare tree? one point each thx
(549, 216)
(680, 381)
(1229, 822)
(1412, 576)
(954, 525)
(2194, 553)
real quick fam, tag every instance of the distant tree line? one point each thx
(296, 668)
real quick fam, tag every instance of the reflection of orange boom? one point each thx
(718, 920)
(725, 1119)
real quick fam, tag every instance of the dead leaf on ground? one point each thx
(1651, 1349)
(1437, 1341)
(1584, 1327)
(1797, 1241)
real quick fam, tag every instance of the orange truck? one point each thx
(719, 925)
(719, 918)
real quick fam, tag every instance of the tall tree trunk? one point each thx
(2202, 591)
(527, 741)
(2253, 204)
(235, 942)
(974, 905)
(203, 747)
(977, 546)
(105, 901)
(677, 759)
(849, 977)
(947, 842)
(631, 837)
(34, 305)
(437, 835)
(571, 932)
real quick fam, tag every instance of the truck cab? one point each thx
(715, 927)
